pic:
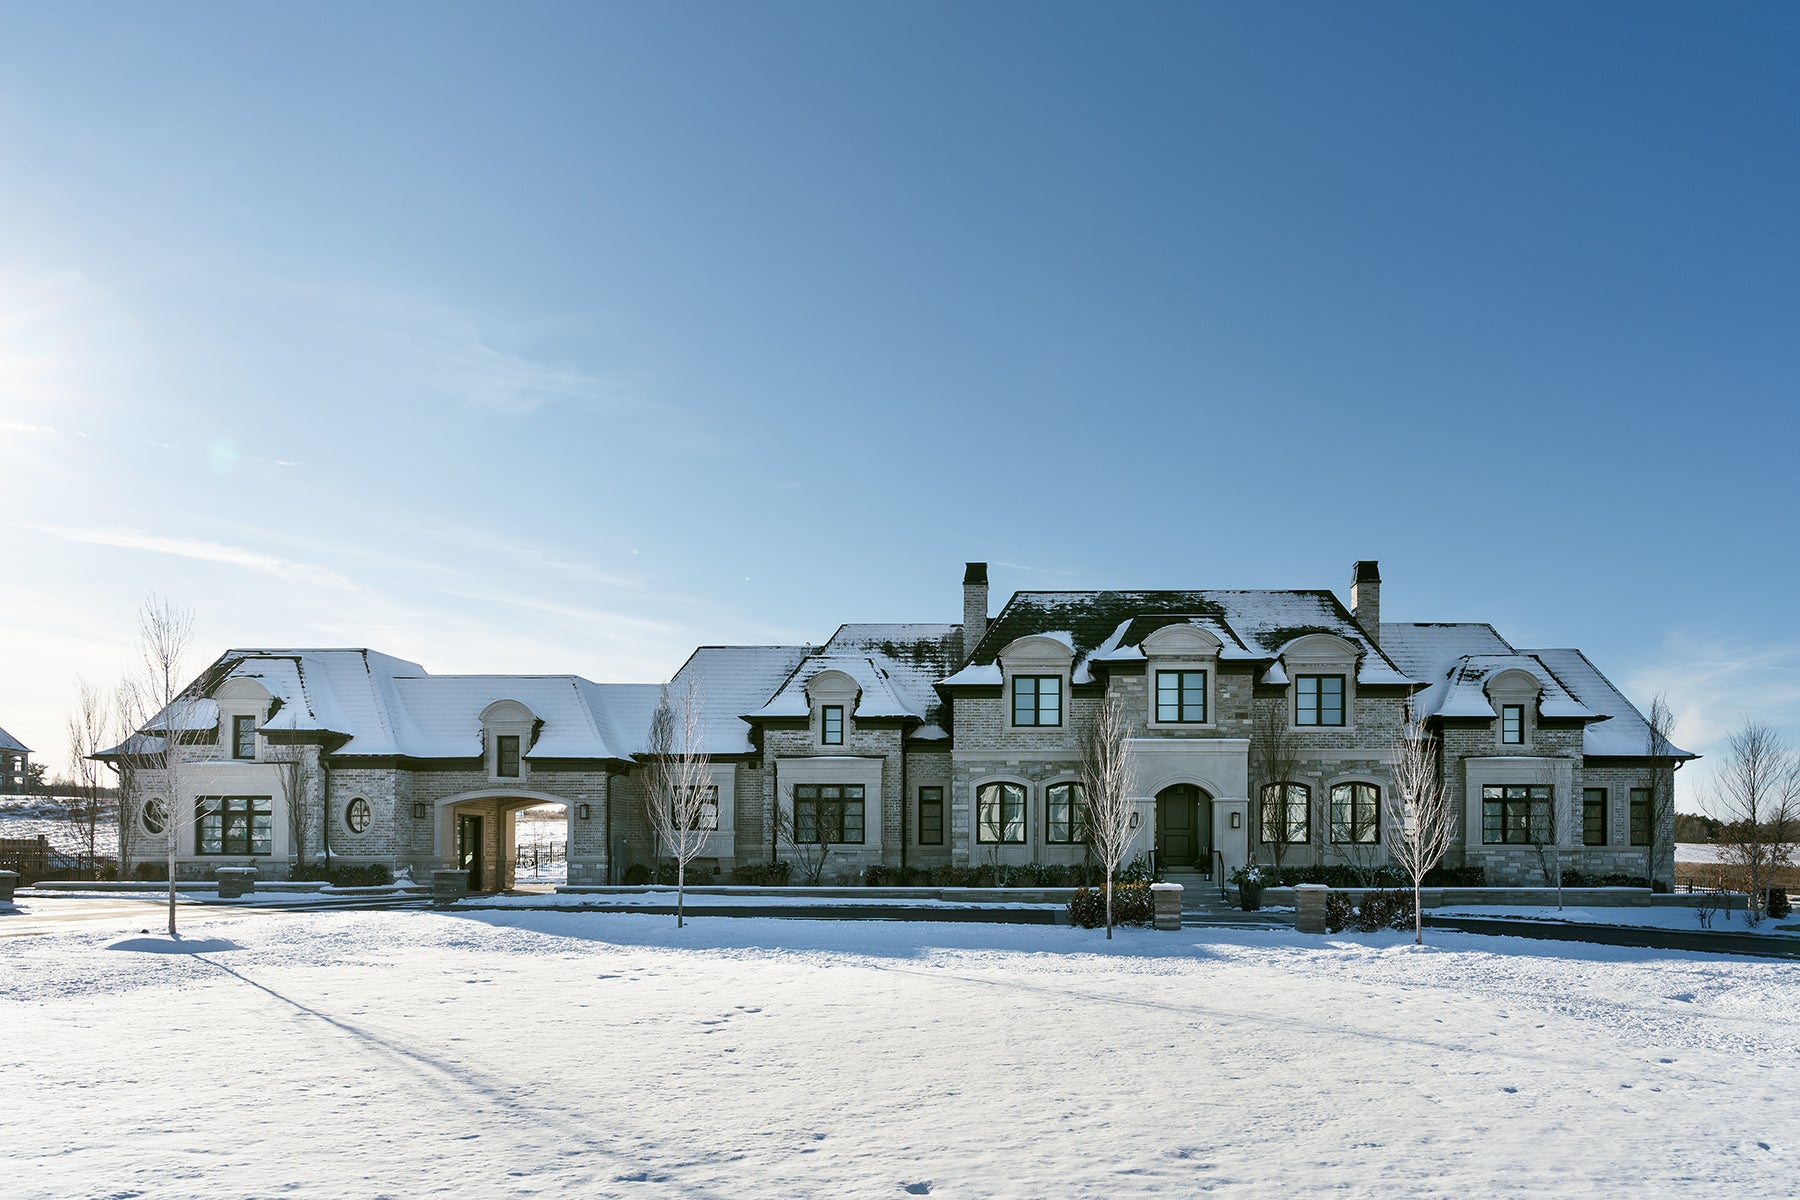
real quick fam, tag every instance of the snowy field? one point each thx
(557, 1054)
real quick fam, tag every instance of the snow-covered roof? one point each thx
(911, 657)
(9, 742)
(1626, 734)
(1462, 692)
(1109, 626)
(734, 680)
(877, 698)
(1425, 650)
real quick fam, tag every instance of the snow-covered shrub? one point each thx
(1384, 910)
(345, 874)
(1132, 905)
(1338, 912)
(1778, 903)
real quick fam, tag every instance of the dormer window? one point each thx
(243, 737)
(506, 756)
(1512, 724)
(1318, 700)
(1181, 697)
(831, 725)
(1037, 700)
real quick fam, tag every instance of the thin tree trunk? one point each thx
(1418, 917)
(1109, 909)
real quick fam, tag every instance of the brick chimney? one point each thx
(1365, 597)
(975, 606)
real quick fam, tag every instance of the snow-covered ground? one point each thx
(551, 1054)
(1697, 852)
(34, 816)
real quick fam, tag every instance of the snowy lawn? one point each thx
(548, 1053)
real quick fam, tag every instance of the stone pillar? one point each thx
(8, 881)
(449, 886)
(236, 882)
(1167, 897)
(1309, 907)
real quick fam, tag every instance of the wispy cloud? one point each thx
(200, 549)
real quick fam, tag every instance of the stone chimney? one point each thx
(975, 606)
(1365, 597)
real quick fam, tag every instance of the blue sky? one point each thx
(566, 337)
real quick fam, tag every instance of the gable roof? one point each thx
(1462, 692)
(9, 742)
(733, 681)
(1626, 734)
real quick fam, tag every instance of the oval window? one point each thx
(154, 816)
(356, 815)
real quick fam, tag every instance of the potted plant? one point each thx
(1249, 880)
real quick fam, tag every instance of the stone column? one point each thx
(1167, 897)
(1309, 907)
(8, 881)
(449, 886)
(236, 882)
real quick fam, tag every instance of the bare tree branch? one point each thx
(683, 804)
(1106, 770)
(1422, 825)
(1758, 789)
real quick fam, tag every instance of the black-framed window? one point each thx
(931, 816)
(1593, 816)
(1287, 814)
(831, 725)
(1640, 816)
(1181, 697)
(234, 825)
(1066, 811)
(506, 756)
(1515, 814)
(1000, 814)
(1037, 700)
(828, 813)
(356, 815)
(243, 737)
(1355, 814)
(1512, 724)
(1318, 700)
(706, 816)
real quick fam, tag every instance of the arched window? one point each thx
(155, 816)
(1000, 814)
(1287, 814)
(356, 815)
(1065, 805)
(1355, 814)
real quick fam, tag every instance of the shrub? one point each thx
(1384, 910)
(345, 874)
(637, 874)
(1338, 913)
(1132, 905)
(151, 872)
(767, 874)
(1778, 903)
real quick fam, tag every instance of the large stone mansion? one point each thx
(932, 744)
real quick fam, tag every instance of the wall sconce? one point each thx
(1237, 820)
(1134, 820)
(419, 811)
(583, 812)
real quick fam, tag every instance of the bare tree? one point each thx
(1422, 824)
(1275, 754)
(1758, 789)
(810, 841)
(1106, 770)
(290, 781)
(89, 804)
(163, 709)
(683, 803)
(124, 762)
(1659, 782)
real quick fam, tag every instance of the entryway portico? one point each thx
(476, 832)
(1195, 795)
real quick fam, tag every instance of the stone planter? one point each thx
(8, 881)
(1250, 896)
(449, 886)
(236, 882)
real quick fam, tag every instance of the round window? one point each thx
(356, 815)
(155, 816)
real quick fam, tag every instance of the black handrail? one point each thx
(1219, 870)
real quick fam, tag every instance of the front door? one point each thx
(468, 848)
(1183, 832)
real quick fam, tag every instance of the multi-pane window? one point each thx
(1512, 724)
(999, 813)
(1318, 700)
(703, 813)
(1066, 805)
(1181, 697)
(1640, 816)
(243, 737)
(1037, 700)
(356, 815)
(506, 756)
(1287, 814)
(931, 816)
(1593, 816)
(1516, 814)
(831, 725)
(233, 824)
(828, 813)
(1356, 814)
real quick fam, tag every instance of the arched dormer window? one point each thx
(507, 732)
(831, 698)
(1514, 693)
(1035, 670)
(243, 706)
(1183, 661)
(1321, 668)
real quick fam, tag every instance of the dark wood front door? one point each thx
(468, 849)
(1183, 835)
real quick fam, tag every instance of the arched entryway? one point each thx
(1184, 829)
(479, 832)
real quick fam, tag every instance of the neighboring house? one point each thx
(15, 765)
(935, 744)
